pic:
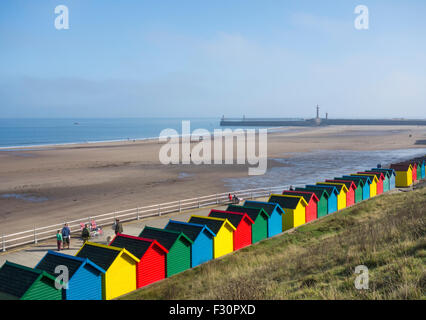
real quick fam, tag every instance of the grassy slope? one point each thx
(317, 261)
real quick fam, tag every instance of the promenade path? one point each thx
(30, 255)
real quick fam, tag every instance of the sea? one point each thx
(41, 132)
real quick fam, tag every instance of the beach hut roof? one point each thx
(269, 207)
(318, 192)
(213, 223)
(386, 173)
(411, 162)
(308, 196)
(287, 201)
(372, 177)
(191, 230)
(379, 175)
(166, 238)
(330, 188)
(16, 279)
(234, 217)
(389, 171)
(359, 182)
(364, 179)
(252, 212)
(135, 245)
(53, 259)
(347, 183)
(401, 166)
(339, 186)
(421, 159)
(102, 255)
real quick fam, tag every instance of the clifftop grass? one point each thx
(318, 260)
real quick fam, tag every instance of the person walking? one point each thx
(236, 200)
(118, 227)
(59, 239)
(85, 234)
(66, 235)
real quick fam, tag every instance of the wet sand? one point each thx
(46, 185)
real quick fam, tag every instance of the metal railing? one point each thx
(35, 235)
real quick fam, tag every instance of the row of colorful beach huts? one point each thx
(100, 271)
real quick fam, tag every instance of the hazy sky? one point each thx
(212, 58)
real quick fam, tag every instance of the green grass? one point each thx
(317, 260)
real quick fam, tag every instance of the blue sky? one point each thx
(136, 58)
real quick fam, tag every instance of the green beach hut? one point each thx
(322, 205)
(18, 282)
(259, 229)
(420, 165)
(178, 258)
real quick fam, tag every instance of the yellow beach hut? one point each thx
(223, 242)
(119, 264)
(294, 208)
(343, 192)
(404, 175)
(373, 184)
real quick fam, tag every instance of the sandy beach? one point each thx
(51, 184)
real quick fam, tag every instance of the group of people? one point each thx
(63, 237)
(233, 198)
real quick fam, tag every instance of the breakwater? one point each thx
(263, 122)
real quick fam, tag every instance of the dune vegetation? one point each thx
(318, 260)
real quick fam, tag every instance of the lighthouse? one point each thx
(317, 119)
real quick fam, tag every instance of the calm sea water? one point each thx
(32, 132)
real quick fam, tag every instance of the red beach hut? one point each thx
(380, 176)
(311, 210)
(152, 255)
(414, 165)
(241, 221)
(350, 195)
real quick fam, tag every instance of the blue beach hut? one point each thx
(202, 237)
(275, 225)
(332, 195)
(84, 277)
